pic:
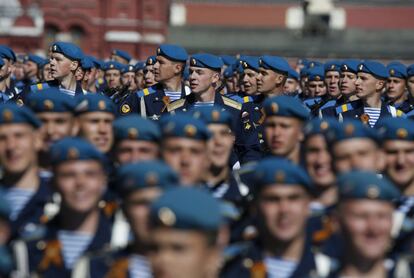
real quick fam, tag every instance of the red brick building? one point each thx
(136, 26)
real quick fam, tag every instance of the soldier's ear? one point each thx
(380, 85)
(74, 65)
(215, 78)
(279, 79)
(178, 68)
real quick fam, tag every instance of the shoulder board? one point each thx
(232, 103)
(400, 113)
(330, 103)
(146, 91)
(175, 104)
(312, 101)
(38, 87)
(344, 108)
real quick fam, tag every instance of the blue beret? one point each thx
(74, 148)
(139, 66)
(312, 64)
(318, 126)
(213, 115)
(11, 113)
(293, 74)
(228, 72)
(410, 70)
(285, 106)
(145, 174)
(94, 103)
(123, 54)
(205, 60)
(134, 127)
(366, 185)
(151, 60)
(374, 68)
(128, 68)
(96, 62)
(350, 129)
(35, 59)
(110, 65)
(274, 63)
(50, 100)
(316, 74)
(350, 65)
(303, 61)
(5, 208)
(397, 129)
(304, 72)
(397, 69)
(7, 53)
(228, 60)
(186, 208)
(70, 50)
(173, 52)
(183, 125)
(250, 62)
(87, 63)
(273, 170)
(333, 65)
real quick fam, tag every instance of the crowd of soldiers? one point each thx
(204, 166)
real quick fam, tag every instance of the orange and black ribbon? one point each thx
(258, 270)
(118, 269)
(52, 255)
(166, 101)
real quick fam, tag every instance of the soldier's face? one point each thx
(291, 86)
(81, 184)
(366, 226)
(136, 208)
(149, 76)
(96, 127)
(188, 157)
(46, 73)
(139, 79)
(165, 69)
(396, 88)
(332, 82)
(267, 81)
(202, 79)
(347, 83)
(6, 69)
(128, 78)
(318, 161)
(410, 85)
(400, 163)
(220, 145)
(317, 88)
(357, 154)
(250, 81)
(367, 85)
(283, 135)
(282, 211)
(113, 78)
(60, 66)
(128, 151)
(182, 253)
(55, 126)
(30, 69)
(19, 144)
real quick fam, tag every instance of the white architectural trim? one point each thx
(123, 36)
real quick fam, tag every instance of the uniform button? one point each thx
(248, 263)
(41, 245)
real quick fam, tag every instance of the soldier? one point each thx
(396, 87)
(369, 107)
(291, 87)
(121, 56)
(136, 139)
(112, 76)
(354, 145)
(283, 126)
(364, 215)
(272, 75)
(184, 147)
(139, 75)
(128, 79)
(32, 65)
(56, 112)
(168, 73)
(65, 58)
(86, 74)
(348, 75)
(80, 227)
(138, 184)
(318, 96)
(149, 78)
(6, 86)
(332, 74)
(186, 234)
(282, 194)
(94, 116)
(26, 192)
(318, 163)
(410, 87)
(250, 65)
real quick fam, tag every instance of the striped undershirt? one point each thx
(173, 95)
(373, 113)
(279, 268)
(204, 104)
(18, 199)
(139, 267)
(74, 245)
(68, 92)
